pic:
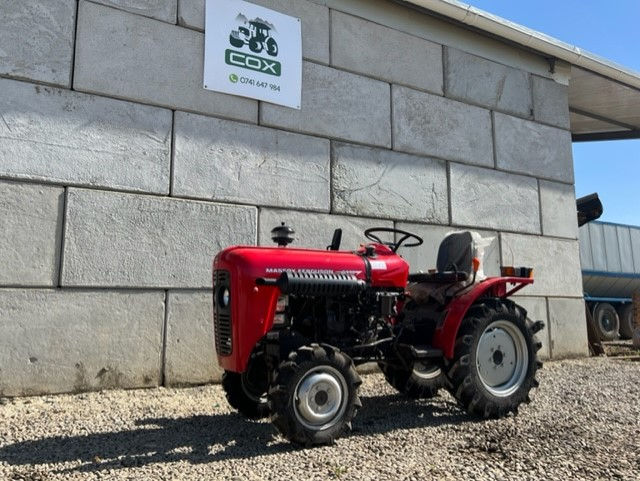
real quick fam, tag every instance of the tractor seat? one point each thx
(455, 261)
(438, 277)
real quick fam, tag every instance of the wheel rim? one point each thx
(607, 324)
(502, 358)
(320, 398)
(426, 371)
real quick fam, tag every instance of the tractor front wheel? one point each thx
(247, 391)
(494, 363)
(421, 382)
(315, 395)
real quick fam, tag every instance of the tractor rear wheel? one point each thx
(607, 321)
(421, 382)
(247, 391)
(495, 360)
(315, 395)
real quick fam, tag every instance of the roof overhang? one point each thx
(604, 97)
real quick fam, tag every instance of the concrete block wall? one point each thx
(121, 177)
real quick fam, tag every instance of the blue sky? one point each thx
(609, 29)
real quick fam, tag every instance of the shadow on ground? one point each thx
(218, 437)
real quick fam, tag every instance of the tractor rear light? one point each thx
(511, 271)
(476, 264)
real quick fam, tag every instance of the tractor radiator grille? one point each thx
(222, 314)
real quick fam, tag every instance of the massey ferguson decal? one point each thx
(279, 270)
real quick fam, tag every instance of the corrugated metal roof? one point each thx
(604, 97)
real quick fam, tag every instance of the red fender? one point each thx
(446, 333)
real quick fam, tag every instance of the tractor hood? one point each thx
(373, 263)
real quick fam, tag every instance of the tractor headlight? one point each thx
(224, 297)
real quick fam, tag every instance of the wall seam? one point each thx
(63, 233)
(549, 337)
(540, 207)
(74, 47)
(449, 192)
(172, 152)
(494, 146)
(163, 350)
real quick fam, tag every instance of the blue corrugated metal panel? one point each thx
(624, 243)
(610, 284)
(598, 249)
(635, 248)
(612, 248)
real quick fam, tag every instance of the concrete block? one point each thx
(586, 259)
(165, 10)
(480, 81)
(496, 200)
(230, 161)
(568, 328)
(556, 263)
(129, 240)
(54, 341)
(60, 136)
(424, 257)
(316, 230)
(314, 19)
(558, 205)
(383, 183)
(190, 356)
(432, 125)
(336, 104)
(136, 58)
(36, 40)
(530, 148)
(372, 49)
(191, 14)
(550, 102)
(537, 311)
(31, 220)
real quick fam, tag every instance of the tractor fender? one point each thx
(445, 335)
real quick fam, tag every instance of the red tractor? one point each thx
(291, 324)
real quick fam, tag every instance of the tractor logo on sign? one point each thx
(257, 35)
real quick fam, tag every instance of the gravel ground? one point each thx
(583, 423)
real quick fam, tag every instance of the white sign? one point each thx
(253, 52)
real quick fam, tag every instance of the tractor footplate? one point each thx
(419, 352)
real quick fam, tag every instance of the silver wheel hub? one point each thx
(320, 398)
(426, 371)
(502, 358)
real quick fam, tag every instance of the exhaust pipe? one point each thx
(312, 284)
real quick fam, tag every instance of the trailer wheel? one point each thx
(421, 382)
(247, 391)
(495, 360)
(607, 321)
(626, 321)
(315, 395)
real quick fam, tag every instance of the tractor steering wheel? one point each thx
(394, 246)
